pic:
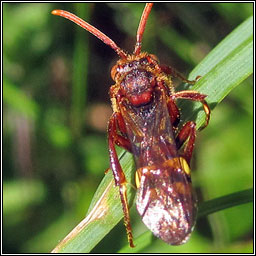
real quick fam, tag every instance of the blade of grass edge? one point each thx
(104, 212)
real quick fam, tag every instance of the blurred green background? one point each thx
(56, 106)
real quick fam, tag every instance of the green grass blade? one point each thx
(225, 202)
(80, 64)
(104, 213)
(223, 69)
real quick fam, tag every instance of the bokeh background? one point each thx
(56, 107)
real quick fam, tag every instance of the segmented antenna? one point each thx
(141, 28)
(92, 30)
(103, 37)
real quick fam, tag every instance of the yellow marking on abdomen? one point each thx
(178, 162)
(174, 163)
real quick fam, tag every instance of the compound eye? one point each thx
(113, 72)
(143, 61)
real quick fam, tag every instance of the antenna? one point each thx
(92, 30)
(141, 28)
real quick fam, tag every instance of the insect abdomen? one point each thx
(165, 200)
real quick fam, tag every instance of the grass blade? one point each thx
(224, 68)
(225, 202)
(104, 213)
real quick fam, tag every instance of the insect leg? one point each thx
(195, 96)
(187, 133)
(119, 176)
(173, 72)
(174, 113)
(121, 140)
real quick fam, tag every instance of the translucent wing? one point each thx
(166, 202)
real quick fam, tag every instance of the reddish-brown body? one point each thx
(145, 122)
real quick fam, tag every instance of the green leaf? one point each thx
(223, 69)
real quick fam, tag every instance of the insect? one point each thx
(145, 122)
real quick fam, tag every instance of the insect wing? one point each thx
(150, 130)
(166, 202)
